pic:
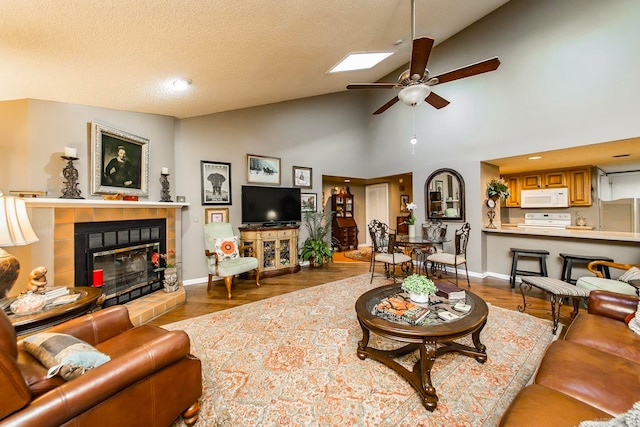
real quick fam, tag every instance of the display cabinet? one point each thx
(344, 227)
(275, 248)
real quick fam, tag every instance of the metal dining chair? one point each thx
(384, 249)
(457, 258)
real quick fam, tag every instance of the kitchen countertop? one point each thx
(565, 233)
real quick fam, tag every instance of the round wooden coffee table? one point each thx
(90, 299)
(433, 337)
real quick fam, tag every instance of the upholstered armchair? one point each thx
(599, 282)
(150, 379)
(225, 255)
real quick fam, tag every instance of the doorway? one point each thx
(377, 207)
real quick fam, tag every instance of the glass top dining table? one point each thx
(418, 247)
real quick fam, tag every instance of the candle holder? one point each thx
(70, 173)
(164, 181)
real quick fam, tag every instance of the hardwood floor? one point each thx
(200, 301)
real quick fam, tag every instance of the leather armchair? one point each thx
(150, 380)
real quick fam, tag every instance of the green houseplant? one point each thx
(497, 188)
(316, 248)
(419, 287)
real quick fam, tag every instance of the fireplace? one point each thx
(122, 250)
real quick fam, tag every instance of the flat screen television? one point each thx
(270, 205)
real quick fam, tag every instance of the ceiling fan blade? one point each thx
(470, 70)
(387, 105)
(420, 55)
(436, 101)
(372, 86)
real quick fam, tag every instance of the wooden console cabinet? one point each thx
(275, 247)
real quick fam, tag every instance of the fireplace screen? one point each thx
(126, 269)
(118, 254)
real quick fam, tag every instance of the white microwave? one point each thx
(545, 198)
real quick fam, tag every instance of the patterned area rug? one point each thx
(361, 254)
(291, 361)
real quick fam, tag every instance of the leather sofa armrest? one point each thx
(63, 403)
(15, 393)
(612, 304)
(97, 327)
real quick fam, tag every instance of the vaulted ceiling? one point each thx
(125, 54)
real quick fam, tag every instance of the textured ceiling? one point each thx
(124, 54)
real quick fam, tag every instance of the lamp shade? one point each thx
(15, 228)
(414, 95)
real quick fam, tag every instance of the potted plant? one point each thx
(497, 188)
(419, 287)
(316, 247)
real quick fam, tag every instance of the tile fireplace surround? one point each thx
(53, 221)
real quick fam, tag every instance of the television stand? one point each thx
(275, 246)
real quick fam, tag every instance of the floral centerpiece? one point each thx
(419, 287)
(159, 260)
(412, 219)
(497, 188)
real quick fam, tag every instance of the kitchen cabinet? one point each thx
(554, 179)
(513, 181)
(275, 247)
(577, 180)
(580, 186)
(530, 181)
(550, 179)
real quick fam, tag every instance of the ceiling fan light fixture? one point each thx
(414, 95)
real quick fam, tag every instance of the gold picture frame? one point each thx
(216, 215)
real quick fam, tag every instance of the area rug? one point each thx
(360, 254)
(291, 361)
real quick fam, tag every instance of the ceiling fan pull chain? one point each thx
(414, 141)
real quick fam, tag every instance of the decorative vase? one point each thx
(412, 230)
(420, 298)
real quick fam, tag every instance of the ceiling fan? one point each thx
(416, 82)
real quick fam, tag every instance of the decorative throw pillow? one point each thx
(634, 322)
(227, 248)
(630, 418)
(64, 355)
(631, 274)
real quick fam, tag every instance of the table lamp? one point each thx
(15, 230)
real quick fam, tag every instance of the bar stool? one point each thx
(541, 254)
(570, 259)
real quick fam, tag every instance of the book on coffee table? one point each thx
(397, 307)
(449, 291)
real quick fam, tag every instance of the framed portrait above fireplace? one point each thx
(119, 162)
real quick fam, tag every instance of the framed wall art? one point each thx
(302, 177)
(263, 170)
(216, 215)
(404, 199)
(309, 202)
(119, 162)
(215, 182)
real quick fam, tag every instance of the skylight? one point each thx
(360, 61)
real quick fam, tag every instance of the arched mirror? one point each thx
(444, 196)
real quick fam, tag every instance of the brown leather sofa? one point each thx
(591, 374)
(150, 380)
